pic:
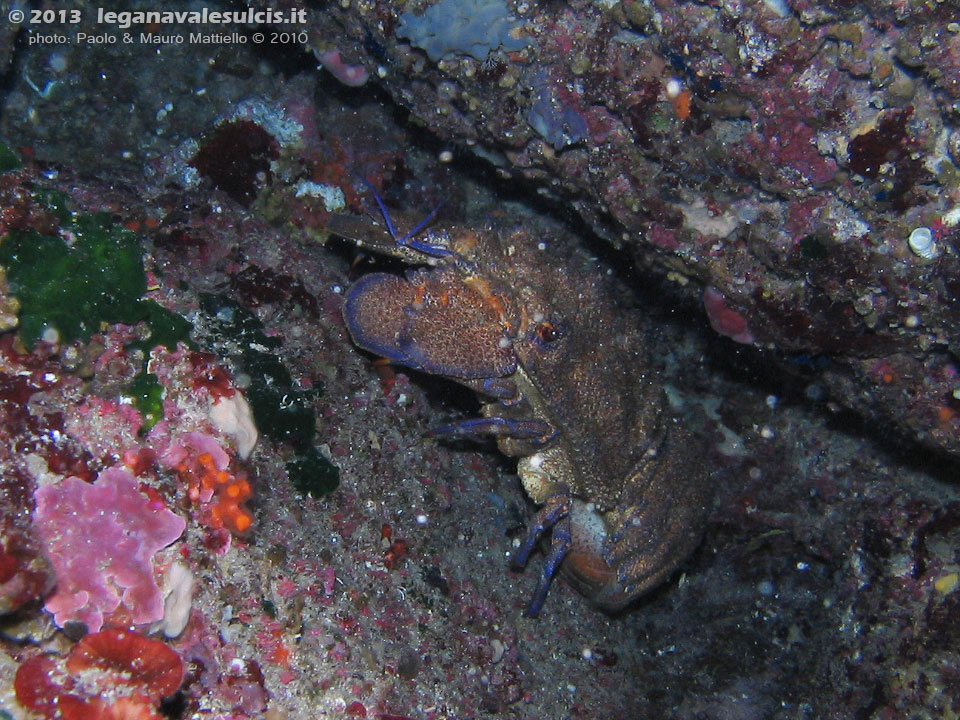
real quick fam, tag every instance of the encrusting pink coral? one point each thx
(350, 75)
(101, 539)
(724, 319)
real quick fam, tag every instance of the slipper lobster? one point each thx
(567, 387)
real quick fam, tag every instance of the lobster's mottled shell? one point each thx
(569, 387)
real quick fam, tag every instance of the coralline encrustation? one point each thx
(101, 539)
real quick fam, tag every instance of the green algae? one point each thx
(92, 274)
(312, 474)
(8, 159)
(147, 394)
(814, 247)
(56, 201)
(269, 608)
(282, 412)
(166, 327)
(68, 291)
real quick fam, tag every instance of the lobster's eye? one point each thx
(548, 332)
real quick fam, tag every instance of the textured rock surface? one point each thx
(780, 152)
(754, 192)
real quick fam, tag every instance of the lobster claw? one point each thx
(431, 321)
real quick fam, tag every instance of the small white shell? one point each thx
(922, 244)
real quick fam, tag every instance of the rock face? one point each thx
(770, 185)
(780, 153)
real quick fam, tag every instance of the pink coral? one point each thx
(350, 75)
(724, 319)
(100, 538)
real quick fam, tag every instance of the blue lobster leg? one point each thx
(504, 390)
(555, 514)
(407, 239)
(536, 431)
